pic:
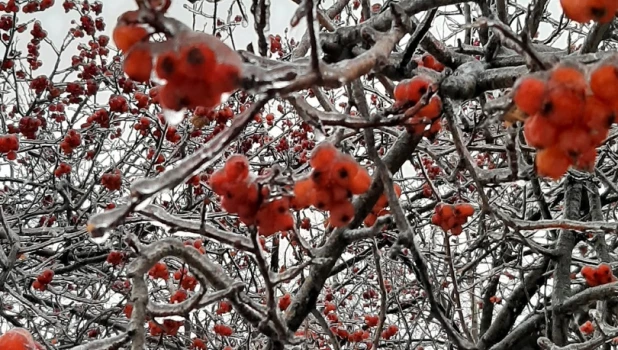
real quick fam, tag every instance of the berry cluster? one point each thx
(452, 217)
(197, 244)
(584, 11)
(159, 270)
(115, 258)
(112, 181)
(43, 280)
(371, 321)
(379, 208)
(570, 117)
(29, 126)
(197, 68)
(598, 276)
(223, 308)
(408, 93)
(187, 281)
(240, 195)
(9, 145)
(169, 327)
(334, 179)
(390, 331)
(198, 344)
(118, 103)
(358, 336)
(179, 296)
(63, 168)
(223, 330)
(71, 141)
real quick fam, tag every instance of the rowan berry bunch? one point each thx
(71, 141)
(169, 327)
(570, 116)
(186, 281)
(179, 296)
(9, 145)
(408, 93)
(379, 209)
(197, 68)
(112, 181)
(241, 194)
(159, 270)
(115, 258)
(223, 330)
(451, 217)
(584, 11)
(598, 276)
(335, 178)
(390, 331)
(198, 344)
(62, 169)
(43, 280)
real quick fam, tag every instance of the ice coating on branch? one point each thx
(99, 224)
(102, 239)
(172, 317)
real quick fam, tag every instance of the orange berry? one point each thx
(417, 87)
(125, 36)
(167, 66)
(361, 182)
(370, 220)
(456, 230)
(217, 182)
(602, 11)
(382, 201)
(528, 94)
(341, 214)
(237, 168)
(304, 194)
(539, 132)
(587, 328)
(323, 156)
(321, 178)
(17, 339)
(344, 169)
(433, 109)
(322, 199)
(604, 82)
(586, 160)
(446, 211)
(574, 141)
(430, 62)
(568, 74)
(576, 10)
(197, 60)
(564, 105)
(436, 219)
(397, 189)
(603, 274)
(464, 209)
(401, 91)
(598, 116)
(137, 63)
(552, 162)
